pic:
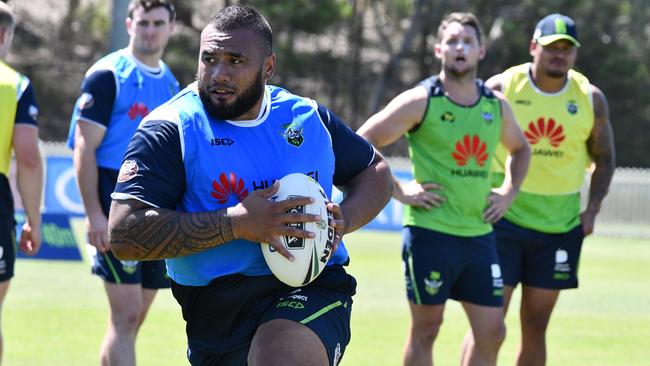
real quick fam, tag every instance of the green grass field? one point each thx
(55, 313)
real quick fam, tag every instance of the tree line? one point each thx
(352, 55)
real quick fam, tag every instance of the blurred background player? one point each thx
(18, 132)
(566, 121)
(453, 124)
(117, 92)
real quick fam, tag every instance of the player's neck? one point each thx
(461, 90)
(546, 83)
(151, 60)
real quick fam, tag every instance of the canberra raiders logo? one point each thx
(292, 133)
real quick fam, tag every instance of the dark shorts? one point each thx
(7, 247)
(439, 266)
(222, 317)
(150, 274)
(7, 231)
(537, 259)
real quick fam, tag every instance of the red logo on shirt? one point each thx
(128, 170)
(138, 109)
(545, 128)
(228, 186)
(470, 147)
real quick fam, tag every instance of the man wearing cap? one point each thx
(566, 121)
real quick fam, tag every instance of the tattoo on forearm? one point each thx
(157, 233)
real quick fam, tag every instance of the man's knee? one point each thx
(535, 321)
(490, 336)
(285, 342)
(125, 320)
(426, 329)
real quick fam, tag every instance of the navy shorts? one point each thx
(222, 317)
(538, 259)
(149, 274)
(7, 248)
(7, 231)
(439, 266)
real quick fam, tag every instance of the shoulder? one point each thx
(23, 84)
(107, 63)
(599, 101)
(102, 73)
(581, 80)
(485, 91)
(596, 92)
(280, 94)
(432, 85)
(167, 71)
(495, 82)
(185, 105)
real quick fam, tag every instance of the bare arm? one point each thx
(398, 117)
(495, 82)
(88, 137)
(601, 149)
(514, 141)
(401, 115)
(29, 177)
(141, 232)
(366, 194)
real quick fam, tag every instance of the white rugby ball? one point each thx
(310, 254)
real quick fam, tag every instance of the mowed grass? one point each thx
(56, 312)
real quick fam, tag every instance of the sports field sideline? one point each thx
(56, 312)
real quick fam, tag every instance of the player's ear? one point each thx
(128, 23)
(531, 48)
(481, 52)
(437, 50)
(269, 67)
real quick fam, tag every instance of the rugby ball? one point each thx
(310, 254)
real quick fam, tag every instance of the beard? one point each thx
(460, 74)
(242, 104)
(555, 74)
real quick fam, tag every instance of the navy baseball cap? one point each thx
(555, 27)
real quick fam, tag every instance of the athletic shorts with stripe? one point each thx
(150, 274)
(222, 317)
(439, 266)
(537, 259)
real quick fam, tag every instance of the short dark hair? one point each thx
(147, 5)
(6, 16)
(468, 19)
(244, 16)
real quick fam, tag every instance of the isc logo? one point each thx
(221, 142)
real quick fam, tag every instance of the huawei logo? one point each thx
(228, 186)
(554, 132)
(470, 147)
(138, 109)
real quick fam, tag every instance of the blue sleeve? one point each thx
(153, 170)
(352, 153)
(27, 109)
(98, 92)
